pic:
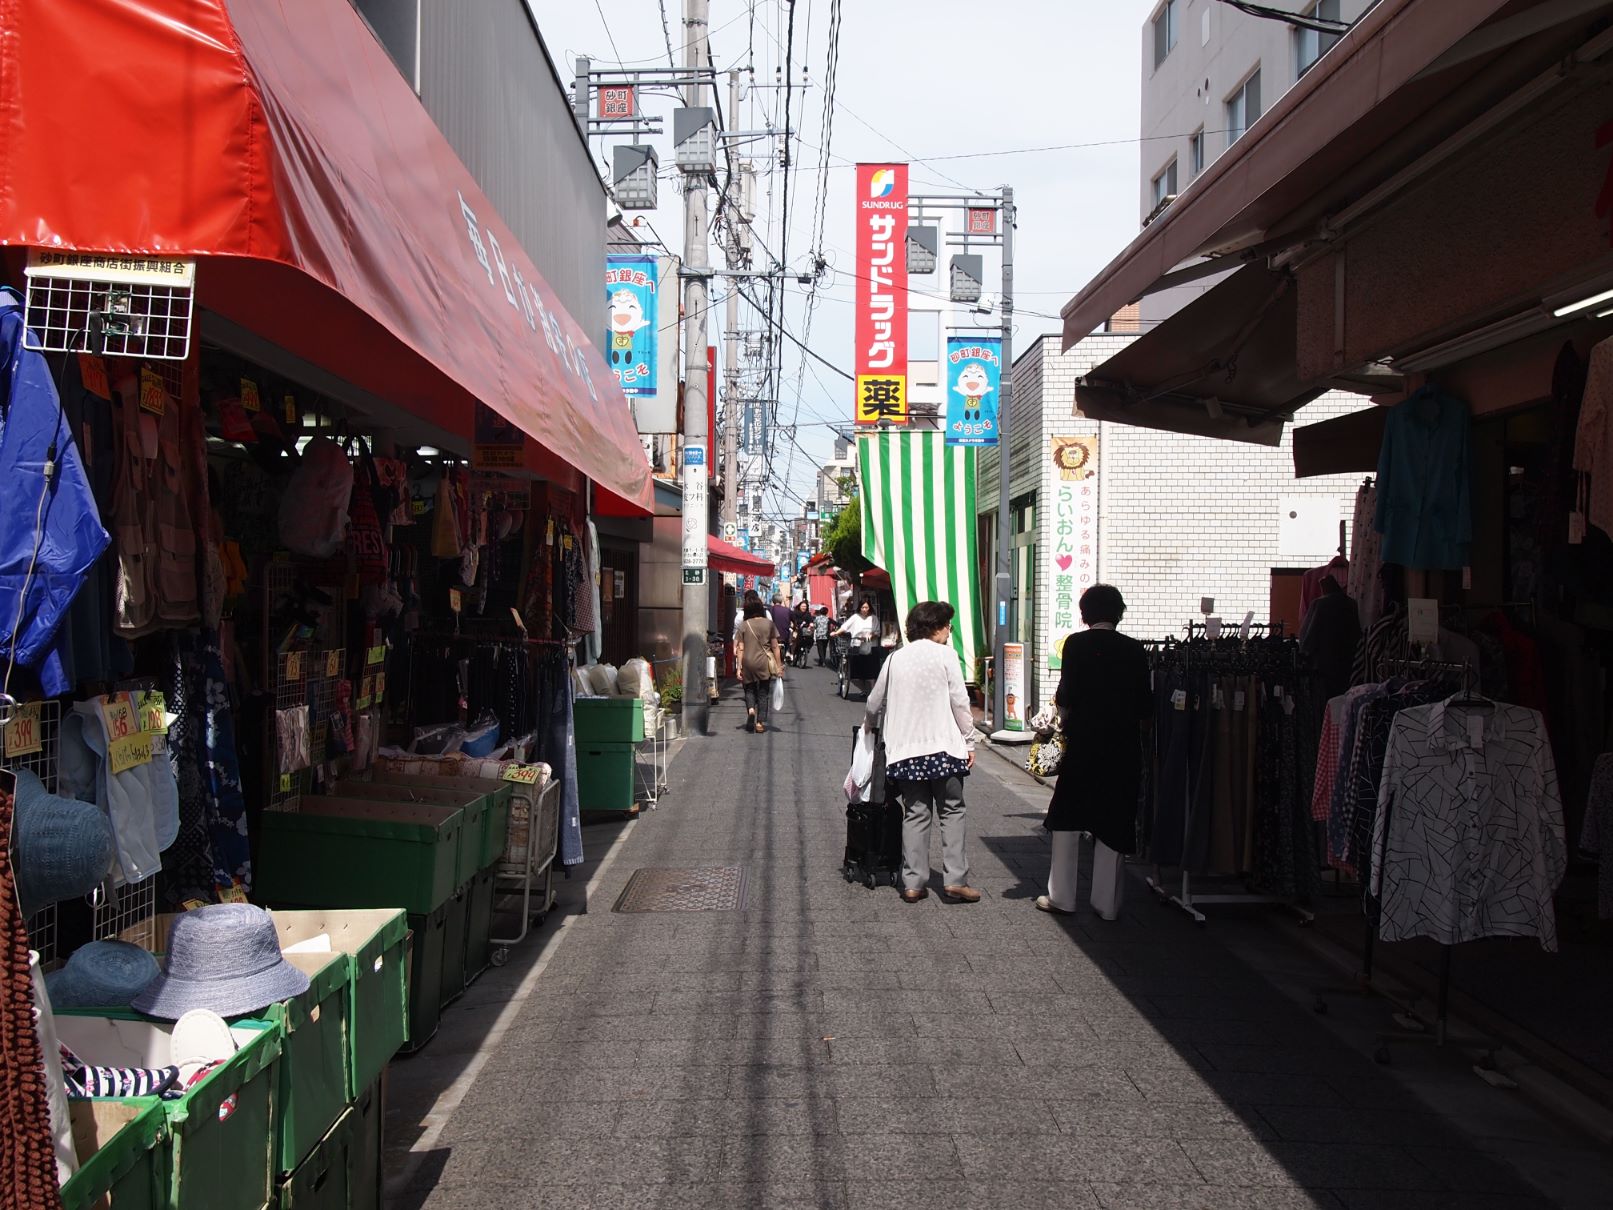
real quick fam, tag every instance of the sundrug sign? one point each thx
(881, 282)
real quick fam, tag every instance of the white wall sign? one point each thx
(695, 508)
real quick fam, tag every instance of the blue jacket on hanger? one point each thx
(1425, 498)
(70, 537)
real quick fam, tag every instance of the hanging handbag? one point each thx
(1046, 756)
(366, 540)
(445, 522)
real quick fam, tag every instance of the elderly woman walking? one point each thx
(921, 708)
(760, 659)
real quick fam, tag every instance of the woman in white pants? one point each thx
(1104, 700)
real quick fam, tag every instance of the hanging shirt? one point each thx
(1597, 837)
(1470, 826)
(1593, 440)
(1425, 509)
(1366, 545)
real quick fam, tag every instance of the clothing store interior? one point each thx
(1422, 773)
(268, 653)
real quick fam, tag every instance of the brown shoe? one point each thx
(915, 896)
(961, 894)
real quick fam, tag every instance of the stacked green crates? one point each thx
(122, 1153)
(323, 1181)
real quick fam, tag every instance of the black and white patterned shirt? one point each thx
(1474, 844)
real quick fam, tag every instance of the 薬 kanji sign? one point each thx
(881, 281)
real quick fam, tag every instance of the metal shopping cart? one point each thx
(859, 664)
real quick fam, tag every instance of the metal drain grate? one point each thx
(718, 888)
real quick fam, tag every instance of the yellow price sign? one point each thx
(380, 686)
(525, 775)
(124, 754)
(291, 409)
(232, 894)
(153, 395)
(294, 666)
(22, 732)
(250, 399)
(456, 600)
(376, 655)
(150, 707)
(366, 691)
(333, 665)
(118, 714)
(285, 783)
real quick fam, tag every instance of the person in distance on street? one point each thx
(760, 659)
(820, 633)
(921, 708)
(1103, 699)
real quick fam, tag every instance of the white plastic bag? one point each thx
(313, 511)
(634, 679)
(862, 766)
(778, 693)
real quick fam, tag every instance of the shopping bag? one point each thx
(778, 693)
(1046, 756)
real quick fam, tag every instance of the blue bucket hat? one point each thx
(102, 974)
(63, 846)
(225, 958)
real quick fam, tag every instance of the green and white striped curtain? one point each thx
(918, 515)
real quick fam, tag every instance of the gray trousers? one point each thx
(920, 799)
(759, 697)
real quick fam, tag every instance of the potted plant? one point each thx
(670, 686)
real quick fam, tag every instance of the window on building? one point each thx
(1310, 44)
(924, 336)
(1164, 184)
(1165, 30)
(1195, 153)
(1243, 107)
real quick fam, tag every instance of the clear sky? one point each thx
(954, 88)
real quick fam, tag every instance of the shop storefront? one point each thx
(317, 496)
(1385, 229)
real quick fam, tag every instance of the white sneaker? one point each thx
(1044, 904)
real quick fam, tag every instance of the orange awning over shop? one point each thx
(275, 141)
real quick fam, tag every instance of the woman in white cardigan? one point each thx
(921, 708)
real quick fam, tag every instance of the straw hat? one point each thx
(226, 958)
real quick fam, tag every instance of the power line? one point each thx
(666, 32)
(601, 10)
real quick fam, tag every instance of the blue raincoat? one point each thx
(71, 537)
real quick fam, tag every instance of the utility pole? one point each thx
(730, 437)
(696, 440)
(1007, 616)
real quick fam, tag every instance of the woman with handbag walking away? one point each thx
(1104, 700)
(921, 708)
(760, 660)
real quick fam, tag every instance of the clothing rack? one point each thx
(1234, 650)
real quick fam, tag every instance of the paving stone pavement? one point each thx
(831, 1046)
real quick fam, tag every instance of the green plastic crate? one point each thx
(323, 1180)
(352, 853)
(428, 942)
(122, 1151)
(364, 1181)
(605, 776)
(221, 1153)
(608, 720)
(500, 795)
(376, 944)
(479, 926)
(455, 928)
(314, 1063)
(472, 801)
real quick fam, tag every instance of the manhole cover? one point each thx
(717, 888)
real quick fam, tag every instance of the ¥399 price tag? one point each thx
(22, 732)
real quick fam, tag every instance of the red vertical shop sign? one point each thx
(881, 294)
(711, 395)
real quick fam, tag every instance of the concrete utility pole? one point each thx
(696, 440)
(730, 437)
(1007, 617)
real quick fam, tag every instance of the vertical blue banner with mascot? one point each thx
(630, 338)
(974, 378)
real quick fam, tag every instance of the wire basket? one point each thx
(118, 306)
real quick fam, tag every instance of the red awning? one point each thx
(277, 138)
(724, 556)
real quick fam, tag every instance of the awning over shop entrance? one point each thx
(276, 139)
(724, 556)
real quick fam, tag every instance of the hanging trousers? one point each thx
(942, 796)
(1108, 875)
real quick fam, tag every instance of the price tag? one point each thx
(22, 732)
(456, 601)
(1179, 699)
(92, 372)
(380, 687)
(520, 622)
(151, 708)
(294, 666)
(1422, 620)
(1277, 692)
(153, 395)
(565, 542)
(366, 692)
(1248, 621)
(124, 754)
(234, 894)
(1212, 628)
(285, 783)
(548, 533)
(375, 655)
(333, 665)
(249, 396)
(1475, 731)
(290, 407)
(1239, 700)
(118, 714)
(525, 775)
(1217, 700)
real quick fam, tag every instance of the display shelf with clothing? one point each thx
(1230, 782)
